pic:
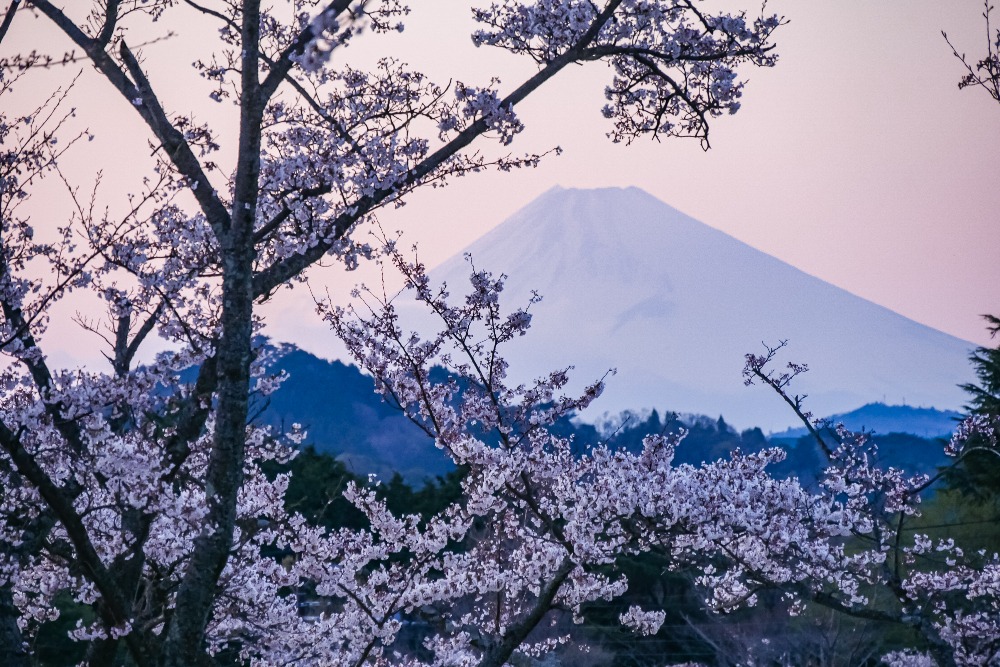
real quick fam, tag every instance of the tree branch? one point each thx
(518, 632)
(110, 21)
(185, 638)
(114, 611)
(176, 147)
(281, 67)
(280, 272)
(8, 18)
(140, 95)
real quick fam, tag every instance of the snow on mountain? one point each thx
(631, 283)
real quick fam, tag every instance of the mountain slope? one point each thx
(342, 415)
(629, 282)
(883, 419)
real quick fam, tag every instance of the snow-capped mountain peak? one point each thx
(630, 283)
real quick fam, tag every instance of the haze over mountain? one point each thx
(343, 415)
(630, 283)
(882, 419)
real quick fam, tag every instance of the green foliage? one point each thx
(316, 489)
(651, 586)
(52, 645)
(978, 477)
(318, 480)
(431, 498)
(986, 395)
(973, 522)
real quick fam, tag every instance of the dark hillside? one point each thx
(343, 416)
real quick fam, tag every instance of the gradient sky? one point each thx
(856, 159)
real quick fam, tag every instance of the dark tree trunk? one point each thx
(197, 593)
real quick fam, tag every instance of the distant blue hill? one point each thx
(337, 405)
(342, 415)
(883, 419)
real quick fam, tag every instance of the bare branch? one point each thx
(110, 21)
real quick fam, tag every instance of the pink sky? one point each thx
(856, 159)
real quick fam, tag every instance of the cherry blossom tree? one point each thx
(545, 520)
(141, 495)
(144, 496)
(895, 574)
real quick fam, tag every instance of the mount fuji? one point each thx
(630, 283)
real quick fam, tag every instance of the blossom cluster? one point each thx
(673, 67)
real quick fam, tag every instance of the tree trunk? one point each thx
(197, 593)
